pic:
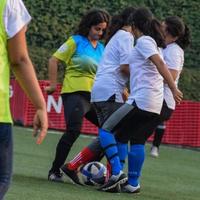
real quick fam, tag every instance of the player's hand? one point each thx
(40, 125)
(178, 95)
(125, 94)
(50, 89)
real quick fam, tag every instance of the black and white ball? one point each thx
(93, 173)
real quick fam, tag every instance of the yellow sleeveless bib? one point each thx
(5, 115)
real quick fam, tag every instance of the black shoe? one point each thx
(127, 188)
(114, 182)
(71, 174)
(55, 177)
(116, 189)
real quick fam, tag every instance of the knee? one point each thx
(69, 138)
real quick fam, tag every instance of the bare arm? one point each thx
(125, 94)
(125, 69)
(162, 68)
(174, 73)
(25, 74)
(126, 72)
(52, 71)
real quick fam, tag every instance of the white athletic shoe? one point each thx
(154, 151)
(127, 188)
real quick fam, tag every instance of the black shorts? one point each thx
(105, 109)
(128, 122)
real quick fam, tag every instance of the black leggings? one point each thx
(76, 107)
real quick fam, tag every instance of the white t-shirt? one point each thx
(15, 17)
(146, 84)
(109, 80)
(174, 58)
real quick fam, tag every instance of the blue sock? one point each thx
(136, 158)
(108, 143)
(122, 151)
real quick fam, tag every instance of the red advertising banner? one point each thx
(182, 129)
(23, 111)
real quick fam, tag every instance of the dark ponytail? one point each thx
(144, 20)
(156, 32)
(177, 28)
(184, 40)
(116, 24)
(118, 21)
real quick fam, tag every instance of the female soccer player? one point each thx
(141, 111)
(177, 38)
(112, 70)
(81, 53)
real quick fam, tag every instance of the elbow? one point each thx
(19, 61)
(53, 61)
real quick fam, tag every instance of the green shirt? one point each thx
(81, 60)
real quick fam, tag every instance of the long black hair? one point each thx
(144, 20)
(118, 21)
(176, 28)
(92, 18)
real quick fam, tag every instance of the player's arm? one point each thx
(25, 74)
(125, 94)
(124, 68)
(162, 68)
(52, 72)
(63, 54)
(174, 73)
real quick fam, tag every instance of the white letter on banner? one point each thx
(51, 102)
(11, 91)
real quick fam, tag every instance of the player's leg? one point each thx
(160, 130)
(6, 156)
(93, 152)
(158, 135)
(75, 107)
(109, 145)
(144, 121)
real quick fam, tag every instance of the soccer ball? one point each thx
(93, 173)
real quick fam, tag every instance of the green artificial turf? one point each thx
(175, 175)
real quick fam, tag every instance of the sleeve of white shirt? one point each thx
(16, 17)
(147, 47)
(125, 47)
(174, 59)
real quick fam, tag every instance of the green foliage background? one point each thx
(55, 20)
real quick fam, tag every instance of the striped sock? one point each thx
(109, 170)
(85, 156)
